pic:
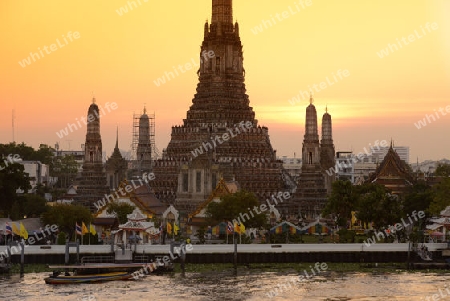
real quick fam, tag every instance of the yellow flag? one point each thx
(84, 229)
(242, 228)
(237, 229)
(175, 229)
(92, 230)
(14, 229)
(23, 231)
(169, 228)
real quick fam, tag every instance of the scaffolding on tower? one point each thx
(155, 154)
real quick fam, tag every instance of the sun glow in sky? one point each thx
(289, 47)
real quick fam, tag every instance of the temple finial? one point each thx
(93, 96)
(145, 109)
(326, 109)
(117, 137)
(311, 99)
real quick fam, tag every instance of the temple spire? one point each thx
(311, 99)
(222, 11)
(117, 138)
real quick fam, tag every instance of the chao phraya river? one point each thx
(250, 284)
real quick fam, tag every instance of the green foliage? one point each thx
(231, 206)
(65, 168)
(377, 205)
(44, 154)
(33, 205)
(121, 210)
(65, 216)
(443, 170)
(342, 201)
(346, 236)
(441, 197)
(61, 240)
(12, 177)
(419, 198)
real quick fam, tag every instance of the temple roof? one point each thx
(392, 169)
(222, 188)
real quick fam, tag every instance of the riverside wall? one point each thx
(252, 253)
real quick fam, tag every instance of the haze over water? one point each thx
(332, 286)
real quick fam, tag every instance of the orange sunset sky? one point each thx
(119, 55)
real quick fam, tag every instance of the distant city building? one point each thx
(345, 166)
(37, 172)
(428, 167)
(378, 154)
(293, 166)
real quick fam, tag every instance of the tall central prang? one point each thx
(220, 137)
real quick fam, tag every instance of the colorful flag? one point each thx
(23, 231)
(77, 228)
(15, 230)
(169, 228)
(8, 229)
(175, 229)
(242, 228)
(293, 230)
(237, 229)
(279, 230)
(84, 229)
(229, 228)
(92, 230)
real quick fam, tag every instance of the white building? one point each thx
(345, 166)
(293, 166)
(38, 172)
(379, 154)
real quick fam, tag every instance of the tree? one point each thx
(443, 170)
(65, 216)
(29, 205)
(12, 177)
(418, 197)
(376, 204)
(121, 210)
(441, 197)
(234, 206)
(342, 201)
(65, 169)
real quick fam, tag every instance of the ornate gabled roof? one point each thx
(141, 195)
(392, 167)
(136, 225)
(222, 189)
(136, 216)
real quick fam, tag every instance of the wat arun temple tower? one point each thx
(314, 184)
(220, 137)
(92, 183)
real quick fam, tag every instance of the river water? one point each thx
(329, 286)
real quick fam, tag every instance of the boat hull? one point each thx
(61, 279)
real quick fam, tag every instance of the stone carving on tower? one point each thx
(92, 183)
(220, 137)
